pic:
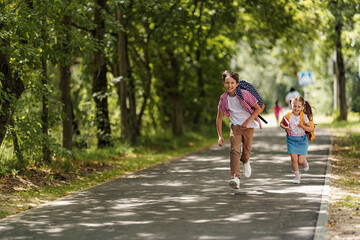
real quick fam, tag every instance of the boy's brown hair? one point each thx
(232, 74)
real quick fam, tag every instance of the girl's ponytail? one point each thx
(308, 110)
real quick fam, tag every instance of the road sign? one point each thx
(305, 78)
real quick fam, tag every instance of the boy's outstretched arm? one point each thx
(219, 128)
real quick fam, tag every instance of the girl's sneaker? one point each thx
(306, 166)
(296, 181)
(235, 183)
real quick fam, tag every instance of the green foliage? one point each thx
(104, 154)
(355, 146)
(353, 90)
(8, 163)
(175, 48)
(4, 213)
(351, 202)
(352, 123)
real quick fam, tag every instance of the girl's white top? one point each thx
(295, 130)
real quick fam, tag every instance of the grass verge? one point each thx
(344, 214)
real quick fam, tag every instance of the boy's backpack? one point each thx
(310, 135)
(250, 88)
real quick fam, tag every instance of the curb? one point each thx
(325, 199)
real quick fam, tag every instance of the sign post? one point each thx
(305, 78)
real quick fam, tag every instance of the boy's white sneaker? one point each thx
(235, 183)
(247, 170)
(306, 166)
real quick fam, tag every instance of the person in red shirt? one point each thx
(277, 109)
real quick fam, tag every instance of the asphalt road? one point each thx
(189, 198)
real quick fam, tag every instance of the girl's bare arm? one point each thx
(307, 127)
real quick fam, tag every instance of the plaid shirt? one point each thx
(247, 101)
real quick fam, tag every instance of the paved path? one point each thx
(189, 198)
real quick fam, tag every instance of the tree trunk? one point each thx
(45, 114)
(132, 112)
(199, 71)
(64, 81)
(146, 63)
(169, 90)
(17, 150)
(177, 116)
(175, 96)
(45, 104)
(77, 140)
(146, 94)
(201, 88)
(12, 88)
(341, 73)
(99, 82)
(126, 87)
(123, 73)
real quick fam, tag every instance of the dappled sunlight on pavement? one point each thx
(189, 198)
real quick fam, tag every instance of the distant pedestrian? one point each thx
(293, 93)
(277, 109)
(243, 112)
(296, 139)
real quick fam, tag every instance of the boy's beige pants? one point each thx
(238, 136)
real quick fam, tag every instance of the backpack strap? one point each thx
(250, 88)
(302, 117)
(288, 114)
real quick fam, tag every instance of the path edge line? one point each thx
(325, 199)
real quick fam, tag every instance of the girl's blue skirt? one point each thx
(297, 145)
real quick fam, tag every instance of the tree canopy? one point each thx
(80, 73)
